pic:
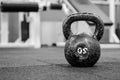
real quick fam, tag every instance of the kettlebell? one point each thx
(82, 50)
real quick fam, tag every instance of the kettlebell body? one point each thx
(82, 50)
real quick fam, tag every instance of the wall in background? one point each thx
(105, 9)
(13, 27)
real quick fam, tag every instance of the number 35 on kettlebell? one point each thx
(82, 50)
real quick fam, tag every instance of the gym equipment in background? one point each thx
(24, 29)
(27, 7)
(34, 33)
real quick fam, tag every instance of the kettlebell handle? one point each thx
(99, 25)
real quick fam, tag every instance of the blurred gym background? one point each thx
(44, 28)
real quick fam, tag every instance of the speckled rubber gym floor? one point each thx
(50, 64)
